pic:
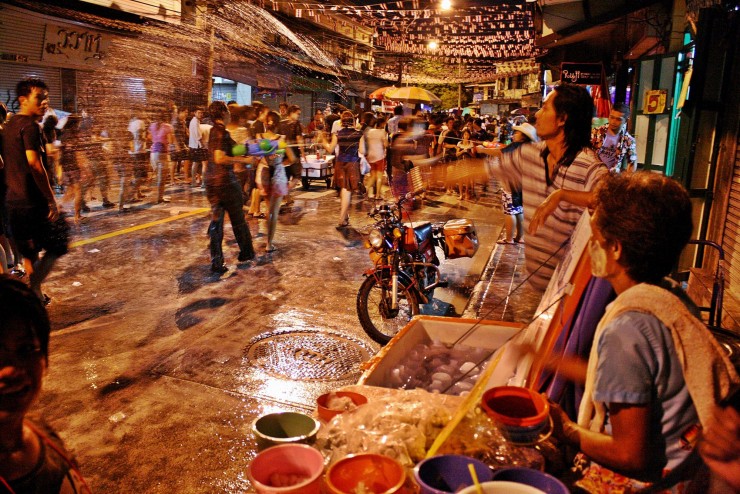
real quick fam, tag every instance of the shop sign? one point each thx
(74, 44)
(477, 97)
(654, 101)
(588, 74)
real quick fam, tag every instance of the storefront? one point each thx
(53, 49)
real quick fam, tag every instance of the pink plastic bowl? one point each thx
(275, 467)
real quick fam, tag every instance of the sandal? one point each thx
(342, 225)
(504, 242)
(270, 248)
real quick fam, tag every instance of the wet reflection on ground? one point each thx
(158, 367)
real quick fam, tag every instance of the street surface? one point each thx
(158, 367)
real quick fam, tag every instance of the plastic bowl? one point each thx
(298, 464)
(285, 427)
(501, 487)
(444, 474)
(542, 481)
(378, 474)
(327, 414)
(521, 413)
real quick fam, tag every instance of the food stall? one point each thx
(451, 388)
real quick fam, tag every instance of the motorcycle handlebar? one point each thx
(387, 208)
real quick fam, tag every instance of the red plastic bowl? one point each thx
(515, 406)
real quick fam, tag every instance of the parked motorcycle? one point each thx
(405, 268)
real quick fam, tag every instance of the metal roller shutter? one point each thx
(731, 236)
(11, 73)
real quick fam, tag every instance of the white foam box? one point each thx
(490, 335)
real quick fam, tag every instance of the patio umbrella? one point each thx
(413, 94)
(380, 92)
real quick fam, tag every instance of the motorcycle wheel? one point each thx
(373, 305)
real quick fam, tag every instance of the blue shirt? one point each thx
(638, 365)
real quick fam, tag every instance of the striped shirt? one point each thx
(524, 169)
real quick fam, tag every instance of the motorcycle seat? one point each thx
(423, 232)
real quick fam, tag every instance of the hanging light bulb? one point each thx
(445, 4)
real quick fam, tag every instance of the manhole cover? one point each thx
(306, 355)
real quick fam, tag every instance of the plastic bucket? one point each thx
(287, 469)
(370, 473)
(449, 473)
(521, 413)
(542, 481)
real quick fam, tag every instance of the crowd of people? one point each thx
(653, 380)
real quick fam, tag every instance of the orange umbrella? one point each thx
(413, 94)
(380, 92)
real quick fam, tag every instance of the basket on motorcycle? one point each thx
(461, 239)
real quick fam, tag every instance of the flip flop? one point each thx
(504, 242)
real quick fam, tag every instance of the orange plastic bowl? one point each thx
(326, 414)
(377, 473)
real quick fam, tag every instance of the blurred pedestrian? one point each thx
(198, 154)
(511, 197)
(163, 138)
(375, 147)
(222, 190)
(272, 177)
(75, 166)
(33, 458)
(347, 164)
(292, 130)
(33, 214)
(181, 155)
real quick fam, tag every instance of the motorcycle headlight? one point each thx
(397, 232)
(375, 238)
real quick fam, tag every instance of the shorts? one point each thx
(198, 154)
(181, 155)
(32, 232)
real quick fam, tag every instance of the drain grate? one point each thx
(308, 355)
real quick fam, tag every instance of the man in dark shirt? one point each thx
(224, 192)
(33, 214)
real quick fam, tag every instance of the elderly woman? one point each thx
(32, 458)
(655, 373)
(347, 166)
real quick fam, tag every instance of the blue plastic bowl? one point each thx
(534, 478)
(446, 474)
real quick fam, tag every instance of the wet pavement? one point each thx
(158, 367)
